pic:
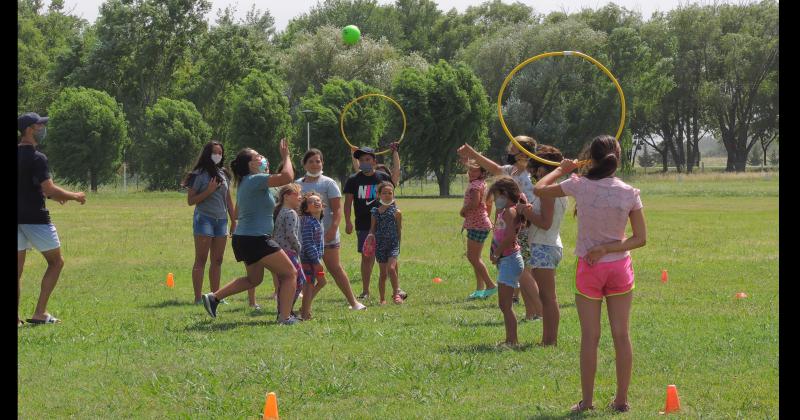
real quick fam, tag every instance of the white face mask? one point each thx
(314, 174)
(216, 158)
(387, 203)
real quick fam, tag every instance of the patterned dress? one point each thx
(387, 241)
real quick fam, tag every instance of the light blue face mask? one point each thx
(500, 202)
(264, 165)
(365, 167)
(40, 135)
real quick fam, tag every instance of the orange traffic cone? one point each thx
(741, 295)
(664, 276)
(437, 280)
(673, 402)
(271, 407)
(170, 280)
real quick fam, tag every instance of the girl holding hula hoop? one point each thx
(516, 168)
(252, 240)
(326, 187)
(604, 206)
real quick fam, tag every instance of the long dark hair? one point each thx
(240, 165)
(506, 186)
(205, 163)
(604, 154)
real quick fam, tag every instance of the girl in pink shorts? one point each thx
(604, 206)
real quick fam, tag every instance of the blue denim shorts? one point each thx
(510, 269)
(42, 237)
(545, 256)
(208, 226)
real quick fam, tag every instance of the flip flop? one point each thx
(49, 320)
(20, 323)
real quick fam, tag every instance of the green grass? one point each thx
(130, 347)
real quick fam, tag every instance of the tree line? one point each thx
(150, 81)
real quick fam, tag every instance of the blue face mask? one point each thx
(365, 167)
(500, 202)
(40, 135)
(264, 165)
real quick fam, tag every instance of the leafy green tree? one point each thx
(258, 115)
(646, 159)
(87, 132)
(445, 106)
(174, 135)
(365, 122)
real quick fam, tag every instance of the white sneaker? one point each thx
(358, 307)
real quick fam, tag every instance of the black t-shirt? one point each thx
(365, 195)
(32, 170)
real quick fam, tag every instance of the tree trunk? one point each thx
(444, 184)
(93, 180)
(665, 161)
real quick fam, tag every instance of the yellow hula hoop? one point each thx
(349, 104)
(551, 54)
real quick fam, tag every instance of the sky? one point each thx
(283, 10)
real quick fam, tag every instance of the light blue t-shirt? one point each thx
(255, 203)
(327, 189)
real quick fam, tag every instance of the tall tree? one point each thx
(87, 132)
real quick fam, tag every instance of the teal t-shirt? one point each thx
(255, 203)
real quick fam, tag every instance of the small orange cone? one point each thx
(673, 402)
(664, 276)
(271, 407)
(437, 280)
(741, 295)
(170, 280)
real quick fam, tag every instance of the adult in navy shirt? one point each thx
(34, 228)
(252, 240)
(361, 193)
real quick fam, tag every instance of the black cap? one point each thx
(28, 119)
(364, 151)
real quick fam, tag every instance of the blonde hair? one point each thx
(286, 189)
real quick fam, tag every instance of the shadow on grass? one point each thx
(210, 325)
(558, 417)
(171, 302)
(485, 348)
(480, 324)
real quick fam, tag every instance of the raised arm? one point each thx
(468, 152)
(286, 174)
(546, 187)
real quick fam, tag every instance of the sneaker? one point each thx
(363, 296)
(403, 294)
(475, 295)
(224, 302)
(489, 292)
(531, 319)
(359, 307)
(255, 307)
(210, 302)
(289, 321)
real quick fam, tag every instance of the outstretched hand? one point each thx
(284, 148)
(569, 165)
(395, 146)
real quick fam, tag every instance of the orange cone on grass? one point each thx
(271, 407)
(673, 402)
(664, 276)
(741, 295)
(170, 280)
(437, 280)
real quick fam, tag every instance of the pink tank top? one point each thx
(500, 232)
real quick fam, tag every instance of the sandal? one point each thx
(619, 408)
(579, 407)
(397, 299)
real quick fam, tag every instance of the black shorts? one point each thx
(251, 249)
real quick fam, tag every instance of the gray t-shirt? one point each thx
(327, 189)
(215, 204)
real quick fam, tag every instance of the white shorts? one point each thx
(42, 237)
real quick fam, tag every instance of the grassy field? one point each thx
(130, 347)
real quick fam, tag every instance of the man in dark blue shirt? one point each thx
(34, 228)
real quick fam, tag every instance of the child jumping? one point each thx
(386, 227)
(475, 212)
(287, 233)
(311, 250)
(604, 206)
(505, 250)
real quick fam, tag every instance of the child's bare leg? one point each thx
(589, 316)
(505, 295)
(474, 249)
(393, 277)
(251, 296)
(619, 310)
(308, 296)
(382, 281)
(530, 294)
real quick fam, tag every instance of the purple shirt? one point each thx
(603, 209)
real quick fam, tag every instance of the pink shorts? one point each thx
(604, 279)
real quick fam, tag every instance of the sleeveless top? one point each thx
(500, 232)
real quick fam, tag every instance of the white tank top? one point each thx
(537, 235)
